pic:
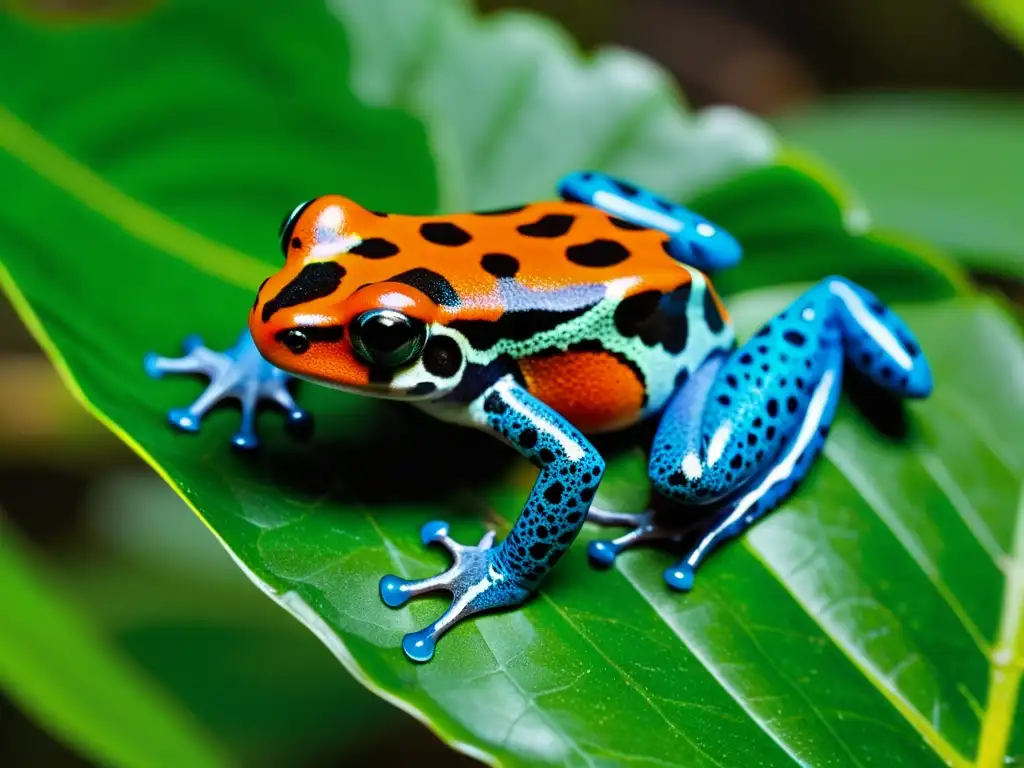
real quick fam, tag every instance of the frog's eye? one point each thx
(288, 227)
(387, 338)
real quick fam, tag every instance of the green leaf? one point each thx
(58, 668)
(859, 624)
(172, 599)
(949, 169)
(510, 108)
(793, 231)
(1007, 16)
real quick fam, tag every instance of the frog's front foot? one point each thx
(239, 373)
(474, 580)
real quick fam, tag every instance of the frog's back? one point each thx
(543, 246)
(588, 310)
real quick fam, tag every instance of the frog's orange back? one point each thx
(544, 246)
(576, 299)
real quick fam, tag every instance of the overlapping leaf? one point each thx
(947, 169)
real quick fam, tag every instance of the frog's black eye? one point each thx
(288, 227)
(387, 338)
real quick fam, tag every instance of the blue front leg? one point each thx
(742, 433)
(239, 374)
(695, 240)
(483, 577)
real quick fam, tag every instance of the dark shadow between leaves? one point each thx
(884, 411)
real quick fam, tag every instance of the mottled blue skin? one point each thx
(554, 513)
(764, 388)
(735, 439)
(775, 397)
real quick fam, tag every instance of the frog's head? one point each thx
(342, 314)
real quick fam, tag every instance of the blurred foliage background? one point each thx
(110, 534)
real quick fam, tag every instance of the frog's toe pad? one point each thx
(299, 418)
(394, 591)
(602, 554)
(191, 343)
(241, 374)
(419, 646)
(680, 577)
(644, 528)
(183, 419)
(436, 531)
(245, 441)
(152, 363)
(473, 580)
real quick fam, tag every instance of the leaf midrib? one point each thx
(238, 269)
(144, 223)
(1007, 662)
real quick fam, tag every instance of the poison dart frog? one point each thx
(542, 324)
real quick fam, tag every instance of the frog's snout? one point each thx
(282, 318)
(292, 333)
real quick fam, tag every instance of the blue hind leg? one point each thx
(877, 341)
(766, 491)
(741, 434)
(694, 239)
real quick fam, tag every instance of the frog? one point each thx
(546, 324)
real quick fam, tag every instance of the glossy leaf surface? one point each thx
(174, 602)
(860, 624)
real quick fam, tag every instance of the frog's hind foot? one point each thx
(645, 529)
(473, 579)
(240, 373)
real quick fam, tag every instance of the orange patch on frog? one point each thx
(594, 390)
(722, 310)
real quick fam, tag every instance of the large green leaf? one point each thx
(60, 669)
(1005, 15)
(167, 593)
(861, 623)
(509, 108)
(949, 169)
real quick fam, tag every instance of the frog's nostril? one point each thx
(295, 340)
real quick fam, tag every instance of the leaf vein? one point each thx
(921, 724)
(137, 219)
